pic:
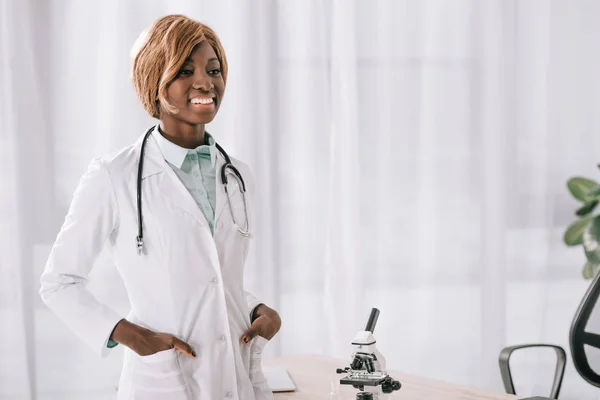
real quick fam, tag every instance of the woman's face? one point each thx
(198, 89)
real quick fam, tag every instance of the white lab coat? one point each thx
(185, 283)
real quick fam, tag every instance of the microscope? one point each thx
(367, 371)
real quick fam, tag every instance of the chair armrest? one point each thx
(561, 362)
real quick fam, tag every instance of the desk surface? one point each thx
(313, 374)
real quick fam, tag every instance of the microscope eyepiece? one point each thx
(372, 321)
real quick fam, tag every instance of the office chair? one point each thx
(578, 340)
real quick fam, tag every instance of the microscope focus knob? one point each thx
(389, 385)
(386, 387)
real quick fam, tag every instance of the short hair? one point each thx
(160, 52)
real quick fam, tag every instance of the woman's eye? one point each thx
(215, 71)
(185, 72)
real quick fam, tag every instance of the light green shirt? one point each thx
(196, 170)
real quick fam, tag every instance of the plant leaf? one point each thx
(591, 241)
(594, 194)
(574, 234)
(590, 269)
(586, 209)
(581, 187)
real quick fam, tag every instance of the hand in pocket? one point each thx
(146, 342)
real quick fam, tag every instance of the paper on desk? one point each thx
(279, 380)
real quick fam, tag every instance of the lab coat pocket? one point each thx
(257, 377)
(158, 376)
(164, 355)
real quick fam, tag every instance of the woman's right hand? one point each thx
(146, 342)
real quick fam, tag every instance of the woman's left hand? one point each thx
(266, 324)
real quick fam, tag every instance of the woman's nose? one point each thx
(203, 82)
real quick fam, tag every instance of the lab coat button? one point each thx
(215, 280)
(229, 394)
(222, 337)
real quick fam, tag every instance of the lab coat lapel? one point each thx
(175, 191)
(170, 185)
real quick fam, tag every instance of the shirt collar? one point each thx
(175, 154)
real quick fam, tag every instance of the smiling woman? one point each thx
(186, 62)
(193, 331)
(194, 96)
(162, 51)
(199, 83)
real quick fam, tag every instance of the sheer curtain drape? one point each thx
(410, 155)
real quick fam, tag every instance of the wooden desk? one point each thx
(313, 374)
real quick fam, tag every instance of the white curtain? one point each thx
(410, 155)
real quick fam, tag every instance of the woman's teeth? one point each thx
(201, 101)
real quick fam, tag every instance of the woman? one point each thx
(193, 332)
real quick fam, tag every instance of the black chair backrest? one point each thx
(579, 337)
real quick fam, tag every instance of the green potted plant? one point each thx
(585, 230)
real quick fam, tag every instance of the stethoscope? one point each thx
(224, 171)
